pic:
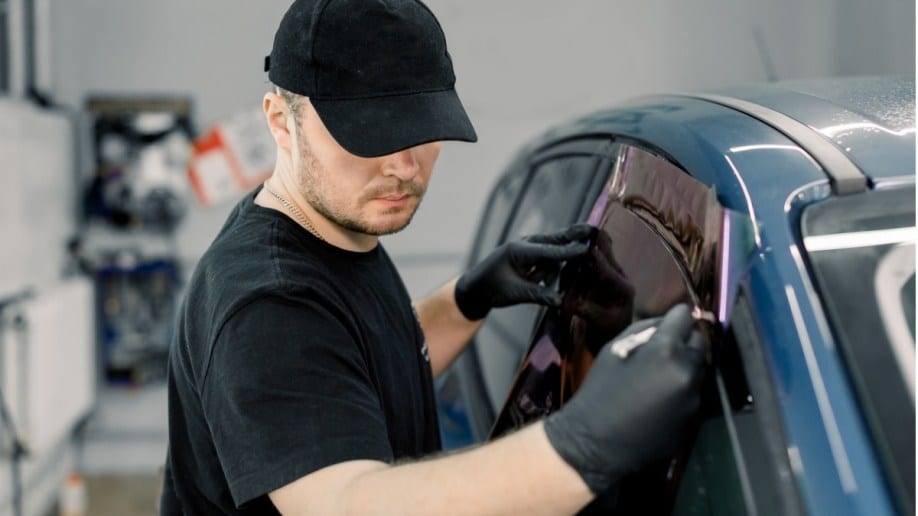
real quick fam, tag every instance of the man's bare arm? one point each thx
(519, 474)
(446, 330)
(627, 413)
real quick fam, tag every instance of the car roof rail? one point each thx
(845, 177)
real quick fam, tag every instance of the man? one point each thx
(300, 378)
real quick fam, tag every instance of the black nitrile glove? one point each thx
(631, 411)
(520, 272)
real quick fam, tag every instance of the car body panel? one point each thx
(866, 117)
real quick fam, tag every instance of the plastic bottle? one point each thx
(73, 499)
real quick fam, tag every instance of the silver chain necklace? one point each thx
(295, 211)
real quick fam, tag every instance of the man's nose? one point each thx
(403, 165)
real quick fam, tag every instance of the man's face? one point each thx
(373, 196)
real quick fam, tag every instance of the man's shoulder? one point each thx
(243, 251)
(237, 267)
(255, 256)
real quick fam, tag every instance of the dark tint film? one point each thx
(656, 247)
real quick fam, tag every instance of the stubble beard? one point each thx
(312, 181)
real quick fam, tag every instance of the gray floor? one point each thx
(127, 432)
(120, 495)
(123, 495)
(124, 450)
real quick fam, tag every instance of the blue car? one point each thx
(784, 214)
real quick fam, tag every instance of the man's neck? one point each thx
(325, 229)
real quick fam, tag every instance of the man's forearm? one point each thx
(519, 474)
(446, 330)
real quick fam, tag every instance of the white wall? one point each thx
(521, 64)
(876, 37)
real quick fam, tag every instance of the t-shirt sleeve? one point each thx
(287, 392)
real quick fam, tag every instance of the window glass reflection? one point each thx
(499, 207)
(553, 197)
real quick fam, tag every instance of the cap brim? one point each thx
(378, 126)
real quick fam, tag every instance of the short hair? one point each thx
(294, 102)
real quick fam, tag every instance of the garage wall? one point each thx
(875, 37)
(522, 64)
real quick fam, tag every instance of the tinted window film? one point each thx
(628, 275)
(657, 246)
(660, 243)
(715, 479)
(739, 461)
(709, 484)
(484, 372)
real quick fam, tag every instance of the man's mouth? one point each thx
(394, 197)
(399, 200)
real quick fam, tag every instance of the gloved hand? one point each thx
(519, 272)
(630, 411)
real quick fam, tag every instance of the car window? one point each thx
(739, 462)
(498, 210)
(628, 275)
(649, 254)
(483, 372)
(862, 252)
(661, 233)
(463, 405)
(552, 197)
(551, 201)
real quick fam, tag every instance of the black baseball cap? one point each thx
(376, 71)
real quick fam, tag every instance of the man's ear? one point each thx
(276, 114)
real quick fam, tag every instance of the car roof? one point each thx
(872, 119)
(866, 123)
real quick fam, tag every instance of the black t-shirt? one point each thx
(290, 355)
